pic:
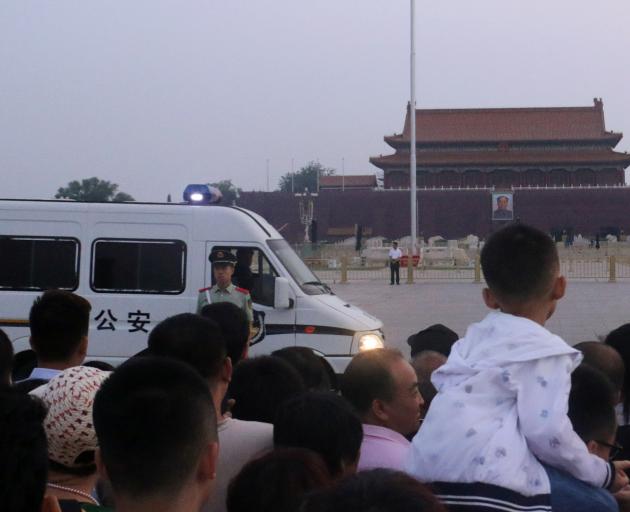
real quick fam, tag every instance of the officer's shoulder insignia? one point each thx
(204, 289)
(242, 290)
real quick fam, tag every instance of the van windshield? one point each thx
(302, 275)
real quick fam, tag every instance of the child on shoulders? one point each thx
(501, 408)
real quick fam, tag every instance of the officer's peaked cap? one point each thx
(221, 256)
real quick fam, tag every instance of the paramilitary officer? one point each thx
(224, 291)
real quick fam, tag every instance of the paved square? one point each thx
(589, 309)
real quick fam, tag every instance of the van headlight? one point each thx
(370, 342)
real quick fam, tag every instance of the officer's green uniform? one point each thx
(238, 296)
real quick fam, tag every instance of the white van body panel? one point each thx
(120, 321)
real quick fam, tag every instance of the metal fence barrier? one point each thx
(605, 268)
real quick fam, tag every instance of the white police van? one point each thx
(138, 263)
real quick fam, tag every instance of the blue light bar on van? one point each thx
(202, 194)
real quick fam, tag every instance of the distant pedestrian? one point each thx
(394, 263)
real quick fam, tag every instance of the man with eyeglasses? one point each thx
(592, 414)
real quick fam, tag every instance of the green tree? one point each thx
(306, 177)
(229, 191)
(93, 190)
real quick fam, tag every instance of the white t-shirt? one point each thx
(239, 442)
(395, 254)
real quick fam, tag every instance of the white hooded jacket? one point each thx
(501, 407)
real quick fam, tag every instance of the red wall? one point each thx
(449, 213)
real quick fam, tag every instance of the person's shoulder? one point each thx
(241, 290)
(248, 435)
(249, 427)
(375, 434)
(201, 290)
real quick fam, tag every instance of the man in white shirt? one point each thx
(394, 263)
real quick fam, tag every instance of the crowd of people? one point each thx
(508, 417)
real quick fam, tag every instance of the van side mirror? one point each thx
(281, 293)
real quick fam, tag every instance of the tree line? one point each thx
(98, 190)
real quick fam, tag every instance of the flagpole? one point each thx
(412, 130)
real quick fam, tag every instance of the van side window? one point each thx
(39, 263)
(254, 273)
(138, 266)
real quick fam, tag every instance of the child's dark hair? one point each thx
(315, 371)
(619, 339)
(259, 385)
(277, 481)
(519, 263)
(592, 404)
(321, 421)
(377, 490)
(606, 359)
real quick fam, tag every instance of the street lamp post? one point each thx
(412, 143)
(267, 175)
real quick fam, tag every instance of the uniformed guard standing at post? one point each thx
(223, 290)
(394, 263)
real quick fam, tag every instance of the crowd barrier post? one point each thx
(477, 269)
(612, 269)
(410, 268)
(344, 269)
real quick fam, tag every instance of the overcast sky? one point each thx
(155, 94)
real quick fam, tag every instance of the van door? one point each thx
(275, 328)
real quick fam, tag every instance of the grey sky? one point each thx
(154, 94)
